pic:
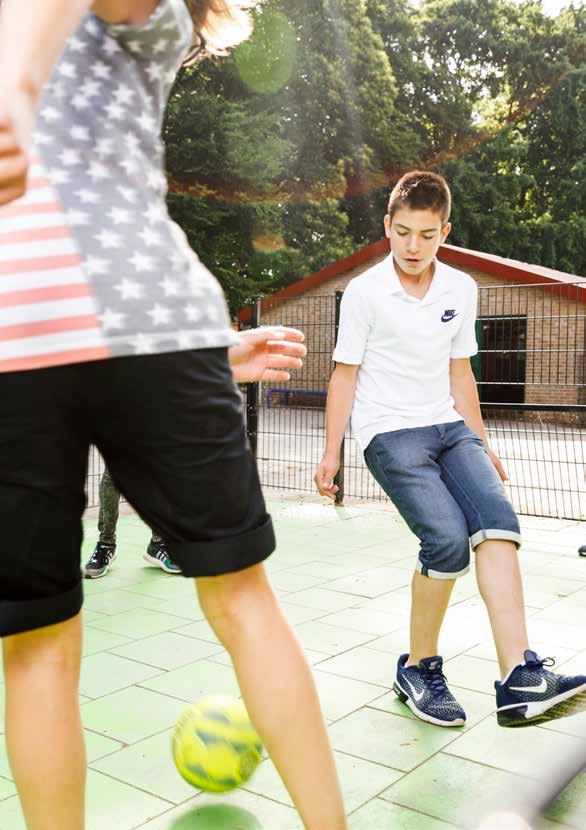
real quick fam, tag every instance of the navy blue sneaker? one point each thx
(530, 690)
(425, 691)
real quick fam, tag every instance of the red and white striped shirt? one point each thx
(48, 315)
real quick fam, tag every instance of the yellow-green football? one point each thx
(215, 746)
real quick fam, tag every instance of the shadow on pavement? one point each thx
(217, 817)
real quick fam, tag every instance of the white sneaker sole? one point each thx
(408, 701)
(154, 561)
(90, 575)
(535, 708)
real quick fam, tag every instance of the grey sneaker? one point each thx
(100, 560)
(157, 554)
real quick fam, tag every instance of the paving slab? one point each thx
(343, 575)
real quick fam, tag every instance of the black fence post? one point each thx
(252, 391)
(339, 479)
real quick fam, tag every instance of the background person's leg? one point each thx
(44, 735)
(109, 509)
(104, 552)
(245, 614)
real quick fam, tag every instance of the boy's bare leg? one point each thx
(43, 724)
(429, 601)
(281, 697)
(501, 587)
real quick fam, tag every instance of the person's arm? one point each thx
(267, 353)
(339, 405)
(32, 37)
(465, 394)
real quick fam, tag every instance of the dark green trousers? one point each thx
(109, 509)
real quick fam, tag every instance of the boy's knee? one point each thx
(58, 645)
(510, 535)
(497, 521)
(447, 558)
(230, 601)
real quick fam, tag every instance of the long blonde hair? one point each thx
(219, 24)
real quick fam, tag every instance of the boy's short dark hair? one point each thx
(421, 190)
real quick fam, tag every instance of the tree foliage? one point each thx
(280, 156)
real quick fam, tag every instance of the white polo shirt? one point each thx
(403, 347)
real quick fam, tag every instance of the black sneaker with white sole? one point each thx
(530, 690)
(425, 691)
(157, 554)
(100, 560)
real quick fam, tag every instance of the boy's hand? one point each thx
(266, 354)
(497, 464)
(325, 474)
(16, 121)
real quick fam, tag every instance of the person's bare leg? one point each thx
(501, 588)
(44, 735)
(281, 697)
(429, 601)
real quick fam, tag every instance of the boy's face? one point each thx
(415, 237)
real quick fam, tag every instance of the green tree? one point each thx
(281, 156)
(523, 195)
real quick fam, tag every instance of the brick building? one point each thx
(530, 330)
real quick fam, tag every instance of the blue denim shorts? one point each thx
(446, 488)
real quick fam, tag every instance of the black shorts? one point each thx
(171, 431)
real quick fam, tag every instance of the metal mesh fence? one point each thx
(530, 372)
(543, 450)
(94, 474)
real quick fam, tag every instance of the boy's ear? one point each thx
(387, 226)
(445, 232)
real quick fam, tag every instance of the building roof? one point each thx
(495, 266)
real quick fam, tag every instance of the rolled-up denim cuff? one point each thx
(484, 534)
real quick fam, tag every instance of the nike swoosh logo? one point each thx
(417, 695)
(446, 319)
(538, 690)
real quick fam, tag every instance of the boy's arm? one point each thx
(267, 353)
(339, 405)
(465, 394)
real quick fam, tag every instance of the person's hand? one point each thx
(267, 353)
(16, 120)
(497, 464)
(325, 474)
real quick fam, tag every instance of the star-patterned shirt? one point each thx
(91, 265)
